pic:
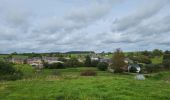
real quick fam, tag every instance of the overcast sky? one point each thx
(74, 25)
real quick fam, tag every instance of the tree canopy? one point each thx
(118, 61)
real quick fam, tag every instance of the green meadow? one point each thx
(157, 60)
(67, 84)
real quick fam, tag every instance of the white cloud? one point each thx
(40, 26)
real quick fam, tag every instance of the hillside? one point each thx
(69, 85)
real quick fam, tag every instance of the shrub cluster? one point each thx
(102, 66)
(119, 70)
(166, 61)
(151, 68)
(8, 72)
(73, 63)
(166, 64)
(12, 77)
(54, 66)
(94, 63)
(142, 59)
(88, 73)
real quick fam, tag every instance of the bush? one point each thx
(15, 76)
(88, 61)
(119, 70)
(88, 73)
(8, 72)
(6, 68)
(157, 52)
(142, 59)
(146, 53)
(73, 62)
(46, 65)
(56, 66)
(94, 63)
(166, 64)
(166, 61)
(150, 68)
(102, 66)
(166, 57)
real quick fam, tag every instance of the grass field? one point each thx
(157, 60)
(69, 85)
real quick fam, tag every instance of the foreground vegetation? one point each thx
(67, 84)
(71, 81)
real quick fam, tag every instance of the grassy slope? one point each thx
(157, 60)
(70, 86)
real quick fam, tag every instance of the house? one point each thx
(17, 60)
(51, 60)
(128, 61)
(35, 62)
(106, 60)
(67, 58)
(94, 57)
(81, 60)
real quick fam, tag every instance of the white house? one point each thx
(36, 62)
(51, 60)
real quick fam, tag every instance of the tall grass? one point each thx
(104, 86)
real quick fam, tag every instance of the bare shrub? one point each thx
(88, 73)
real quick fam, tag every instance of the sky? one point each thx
(84, 25)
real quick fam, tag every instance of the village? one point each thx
(38, 62)
(62, 71)
(84, 50)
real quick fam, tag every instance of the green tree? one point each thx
(130, 54)
(167, 52)
(56, 66)
(102, 66)
(94, 63)
(147, 53)
(88, 61)
(118, 62)
(166, 60)
(6, 68)
(142, 59)
(73, 62)
(166, 64)
(157, 52)
(8, 72)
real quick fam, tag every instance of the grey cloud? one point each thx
(82, 28)
(142, 28)
(162, 39)
(95, 11)
(140, 15)
(122, 38)
(53, 25)
(15, 15)
(78, 18)
(88, 14)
